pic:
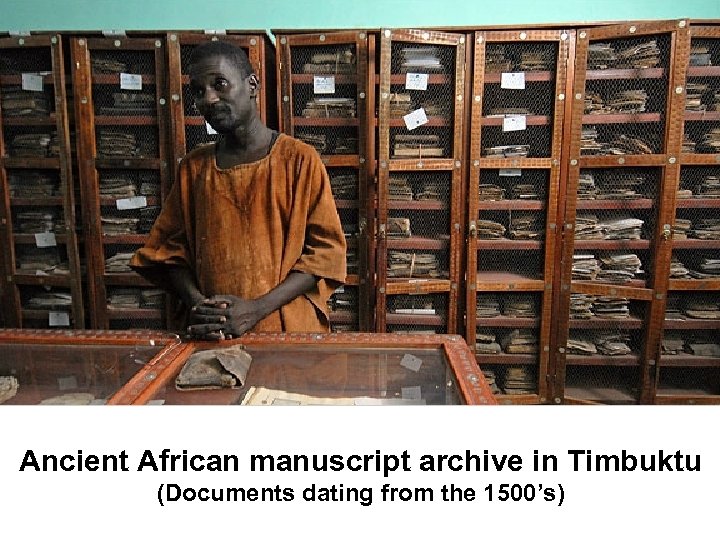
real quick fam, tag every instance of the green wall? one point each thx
(267, 14)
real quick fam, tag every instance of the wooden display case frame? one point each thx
(361, 162)
(90, 163)
(472, 386)
(452, 164)
(506, 282)
(13, 312)
(653, 294)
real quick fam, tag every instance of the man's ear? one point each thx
(254, 84)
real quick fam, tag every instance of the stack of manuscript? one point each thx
(344, 186)
(32, 184)
(32, 145)
(487, 306)
(50, 300)
(113, 144)
(399, 188)
(107, 65)
(118, 263)
(117, 186)
(38, 221)
(507, 151)
(527, 191)
(316, 140)
(710, 143)
(527, 227)
(330, 107)
(420, 60)
(417, 146)
(641, 56)
(490, 230)
(485, 343)
(521, 341)
(116, 226)
(17, 102)
(130, 103)
(534, 61)
(407, 265)
(601, 56)
(496, 61)
(519, 380)
(331, 63)
(520, 306)
(490, 192)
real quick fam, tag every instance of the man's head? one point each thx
(223, 85)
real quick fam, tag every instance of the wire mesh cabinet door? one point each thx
(619, 194)
(420, 134)
(518, 103)
(121, 110)
(323, 102)
(688, 370)
(42, 282)
(188, 128)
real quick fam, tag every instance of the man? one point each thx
(249, 237)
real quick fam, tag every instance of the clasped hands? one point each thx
(223, 317)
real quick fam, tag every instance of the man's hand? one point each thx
(224, 317)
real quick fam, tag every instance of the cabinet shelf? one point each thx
(143, 120)
(128, 162)
(340, 160)
(633, 118)
(506, 359)
(16, 80)
(688, 360)
(114, 78)
(29, 238)
(416, 320)
(507, 322)
(416, 285)
(692, 324)
(511, 204)
(433, 121)
(530, 76)
(633, 290)
(50, 200)
(342, 317)
(43, 314)
(308, 78)
(612, 244)
(30, 163)
(530, 120)
(507, 281)
(346, 204)
(134, 313)
(630, 323)
(137, 239)
(694, 243)
(45, 120)
(510, 245)
(712, 116)
(301, 121)
(52, 280)
(605, 74)
(418, 242)
(628, 204)
(126, 279)
(712, 284)
(602, 360)
(698, 203)
(703, 71)
(417, 205)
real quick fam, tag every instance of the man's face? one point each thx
(222, 95)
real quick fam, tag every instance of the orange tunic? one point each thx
(242, 230)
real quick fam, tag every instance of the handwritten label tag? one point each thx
(130, 81)
(209, 129)
(45, 239)
(411, 362)
(416, 81)
(510, 172)
(415, 119)
(324, 85)
(32, 82)
(513, 81)
(60, 318)
(131, 203)
(411, 392)
(514, 123)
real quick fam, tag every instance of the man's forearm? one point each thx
(183, 283)
(294, 285)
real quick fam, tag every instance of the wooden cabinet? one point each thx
(518, 102)
(688, 370)
(323, 100)
(122, 115)
(620, 170)
(42, 271)
(420, 159)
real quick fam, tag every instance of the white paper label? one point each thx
(411, 362)
(415, 119)
(67, 383)
(32, 82)
(411, 392)
(59, 318)
(513, 81)
(130, 81)
(131, 203)
(324, 85)
(416, 81)
(45, 239)
(514, 123)
(510, 172)
(209, 129)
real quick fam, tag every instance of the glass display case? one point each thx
(65, 367)
(335, 369)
